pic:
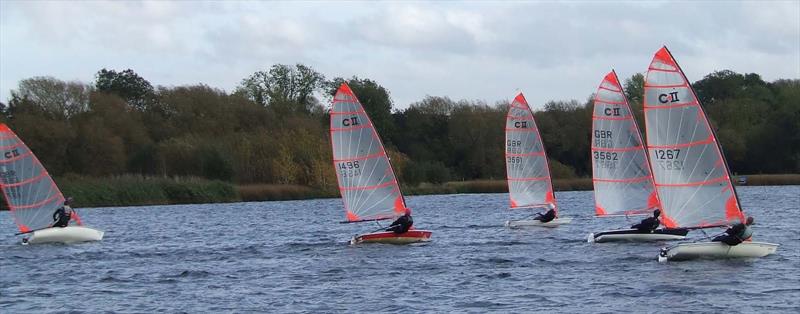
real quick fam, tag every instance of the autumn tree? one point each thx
(55, 98)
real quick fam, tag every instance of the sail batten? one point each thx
(527, 169)
(367, 182)
(621, 175)
(690, 172)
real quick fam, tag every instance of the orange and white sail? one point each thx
(690, 172)
(367, 182)
(29, 191)
(623, 184)
(527, 169)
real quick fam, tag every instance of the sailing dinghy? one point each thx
(623, 185)
(527, 169)
(33, 197)
(368, 185)
(690, 172)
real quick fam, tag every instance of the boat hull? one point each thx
(66, 235)
(715, 250)
(634, 235)
(389, 237)
(535, 223)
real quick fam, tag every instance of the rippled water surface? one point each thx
(292, 257)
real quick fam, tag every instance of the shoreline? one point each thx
(144, 191)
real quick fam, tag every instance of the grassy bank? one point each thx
(491, 186)
(139, 190)
(771, 179)
(281, 192)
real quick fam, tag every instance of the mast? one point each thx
(621, 174)
(366, 178)
(527, 168)
(30, 193)
(713, 132)
(692, 178)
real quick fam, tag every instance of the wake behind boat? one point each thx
(623, 184)
(527, 170)
(367, 182)
(690, 172)
(33, 197)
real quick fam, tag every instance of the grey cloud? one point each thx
(481, 50)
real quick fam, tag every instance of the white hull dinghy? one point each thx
(33, 197)
(367, 182)
(527, 168)
(634, 235)
(689, 169)
(66, 235)
(715, 250)
(621, 176)
(535, 223)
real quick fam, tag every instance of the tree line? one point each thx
(274, 127)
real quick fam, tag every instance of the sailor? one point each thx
(548, 216)
(63, 214)
(402, 224)
(737, 233)
(649, 224)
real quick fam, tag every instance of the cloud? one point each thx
(478, 50)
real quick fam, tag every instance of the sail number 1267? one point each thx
(666, 159)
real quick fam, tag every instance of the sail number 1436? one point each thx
(349, 169)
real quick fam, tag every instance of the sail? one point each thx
(620, 170)
(527, 171)
(367, 182)
(690, 172)
(30, 192)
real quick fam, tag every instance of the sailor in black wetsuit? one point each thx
(737, 233)
(649, 224)
(548, 216)
(63, 214)
(402, 224)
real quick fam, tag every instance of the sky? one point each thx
(479, 50)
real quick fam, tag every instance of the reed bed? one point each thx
(281, 192)
(131, 190)
(771, 179)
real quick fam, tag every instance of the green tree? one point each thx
(128, 85)
(565, 128)
(97, 151)
(284, 89)
(376, 101)
(476, 135)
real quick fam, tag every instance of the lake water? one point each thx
(292, 257)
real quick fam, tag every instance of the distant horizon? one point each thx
(475, 50)
(323, 101)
